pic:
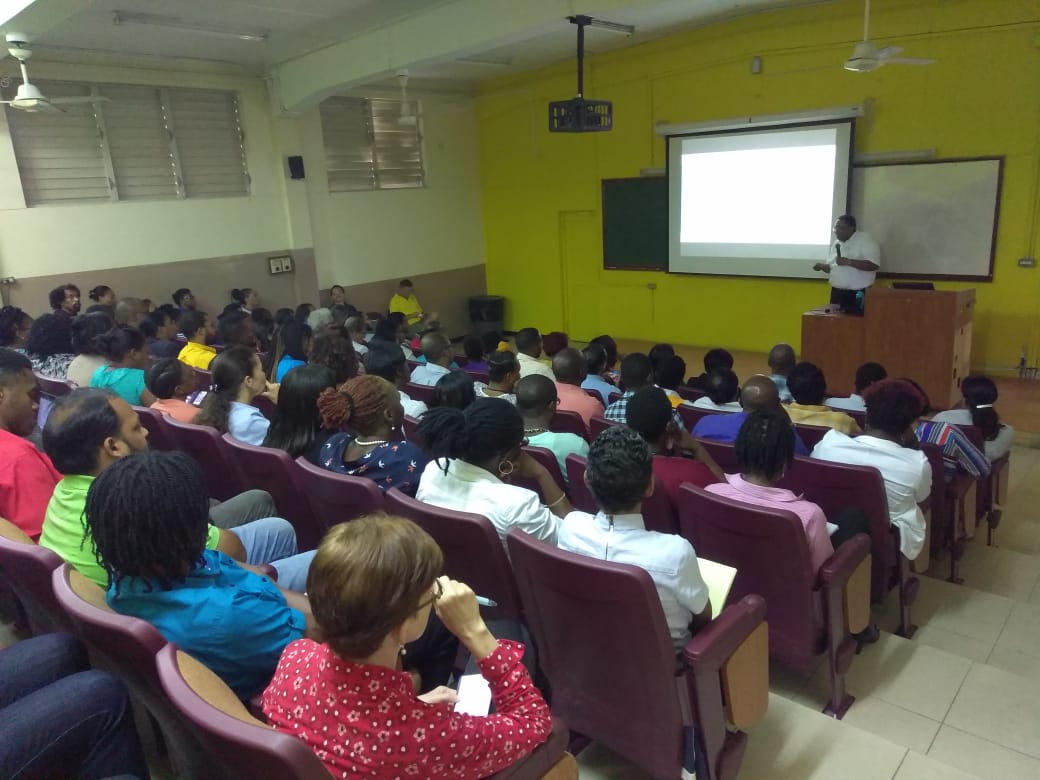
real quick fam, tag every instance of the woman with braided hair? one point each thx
(369, 408)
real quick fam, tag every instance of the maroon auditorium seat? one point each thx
(211, 452)
(568, 422)
(335, 498)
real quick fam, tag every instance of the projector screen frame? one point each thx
(751, 127)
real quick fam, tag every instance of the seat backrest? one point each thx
(691, 415)
(811, 434)
(409, 426)
(658, 514)
(598, 424)
(548, 460)
(205, 445)
(590, 620)
(127, 647)
(941, 530)
(859, 416)
(568, 422)
(159, 437)
(477, 376)
(203, 378)
(593, 394)
(838, 486)
(768, 549)
(335, 498)
(689, 393)
(266, 468)
(27, 569)
(245, 746)
(615, 396)
(473, 551)
(422, 393)
(722, 452)
(581, 496)
(265, 405)
(51, 387)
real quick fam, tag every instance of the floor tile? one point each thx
(597, 762)
(1000, 707)
(1022, 630)
(961, 609)
(918, 767)
(965, 646)
(978, 756)
(996, 570)
(913, 676)
(895, 724)
(1023, 664)
(794, 742)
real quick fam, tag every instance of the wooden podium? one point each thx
(924, 335)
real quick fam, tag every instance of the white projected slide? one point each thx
(756, 203)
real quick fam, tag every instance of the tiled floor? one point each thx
(959, 700)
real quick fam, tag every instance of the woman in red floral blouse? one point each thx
(372, 586)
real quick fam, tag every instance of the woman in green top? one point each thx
(126, 350)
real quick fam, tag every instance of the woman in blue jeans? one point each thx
(60, 718)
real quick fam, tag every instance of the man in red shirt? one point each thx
(570, 369)
(27, 478)
(649, 413)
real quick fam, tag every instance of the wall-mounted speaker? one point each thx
(295, 167)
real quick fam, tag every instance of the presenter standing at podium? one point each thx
(852, 265)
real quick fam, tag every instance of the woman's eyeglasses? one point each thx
(436, 596)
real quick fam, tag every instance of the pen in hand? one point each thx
(486, 602)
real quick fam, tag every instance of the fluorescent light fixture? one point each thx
(487, 59)
(176, 23)
(624, 29)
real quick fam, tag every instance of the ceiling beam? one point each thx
(445, 32)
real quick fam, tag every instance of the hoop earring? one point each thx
(502, 470)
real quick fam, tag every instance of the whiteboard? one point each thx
(932, 219)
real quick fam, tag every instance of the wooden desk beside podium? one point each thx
(921, 334)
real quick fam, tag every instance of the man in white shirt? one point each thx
(852, 265)
(620, 476)
(528, 350)
(866, 375)
(437, 350)
(890, 445)
(723, 392)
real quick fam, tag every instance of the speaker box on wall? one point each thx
(295, 167)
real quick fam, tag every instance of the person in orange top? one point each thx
(171, 382)
(570, 369)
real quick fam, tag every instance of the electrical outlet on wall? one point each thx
(286, 265)
(276, 264)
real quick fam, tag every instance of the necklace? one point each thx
(370, 443)
(534, 431)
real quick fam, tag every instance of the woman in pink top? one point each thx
(764, 452)
(171, 381)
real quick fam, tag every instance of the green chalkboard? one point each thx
(635, 223)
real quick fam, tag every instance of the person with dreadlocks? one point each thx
(370, 408)
(475, 451)
(87, 432)
(148, 519)
(620, 476)
(890, 445)
(238, 378)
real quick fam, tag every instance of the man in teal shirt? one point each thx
(536, 402)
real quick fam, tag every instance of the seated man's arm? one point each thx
(231, 546)
(692, 591)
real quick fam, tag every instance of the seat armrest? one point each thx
(837, 569)
(716, 642)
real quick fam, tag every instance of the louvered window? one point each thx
(138, 143)
(371, 144)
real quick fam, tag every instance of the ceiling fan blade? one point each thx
(71, 101)
(889, 51)
(909, 61)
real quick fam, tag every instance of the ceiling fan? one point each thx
(29, 97)
(406, 117)
(867, 56)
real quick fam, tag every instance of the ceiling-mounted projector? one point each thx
(579, 114)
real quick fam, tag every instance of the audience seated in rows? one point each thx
(103, 295)
(129, 311)
(236, 328)
(659, 352)
(14, 328)
(503, 372)
(171, 382)
(200, 330)
(126, 356)
(405, 303)
(669, 376)
(183, 299)
(473, 349)
(759, 393)
(722, 392)
(610, 373)
(650, 415)
(319, 319)
(866, 375)
(713, 358)
(302, 312)
(596, 366)
(528, 351)
(620, 475)
(292, 344)
(636, 373)
(27, 476)
(49, 345)
(148, 517)
(64, 300)
(890, 446)
(436, 348)
(958, 452)
(386, 361)
(61, 718)
(370, 408)
(87, 432)
(781, 360)
(238, 378)
(455, 389)
(245, 299)
(978, 402)
(393, 330)
(808, 388)
(537, 402)
(570, 371)
(264, 326)
(355, 327)
(553, 343)
(160, 328)
(473, 454)
(296, 426)
(373, 586)
(86, 332)
(333, 349)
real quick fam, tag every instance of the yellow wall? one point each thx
(541, 191)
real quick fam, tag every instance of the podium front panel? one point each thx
(835, 343)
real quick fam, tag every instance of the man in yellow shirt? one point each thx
(404, 301)
(199, 329)
(808, 387)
